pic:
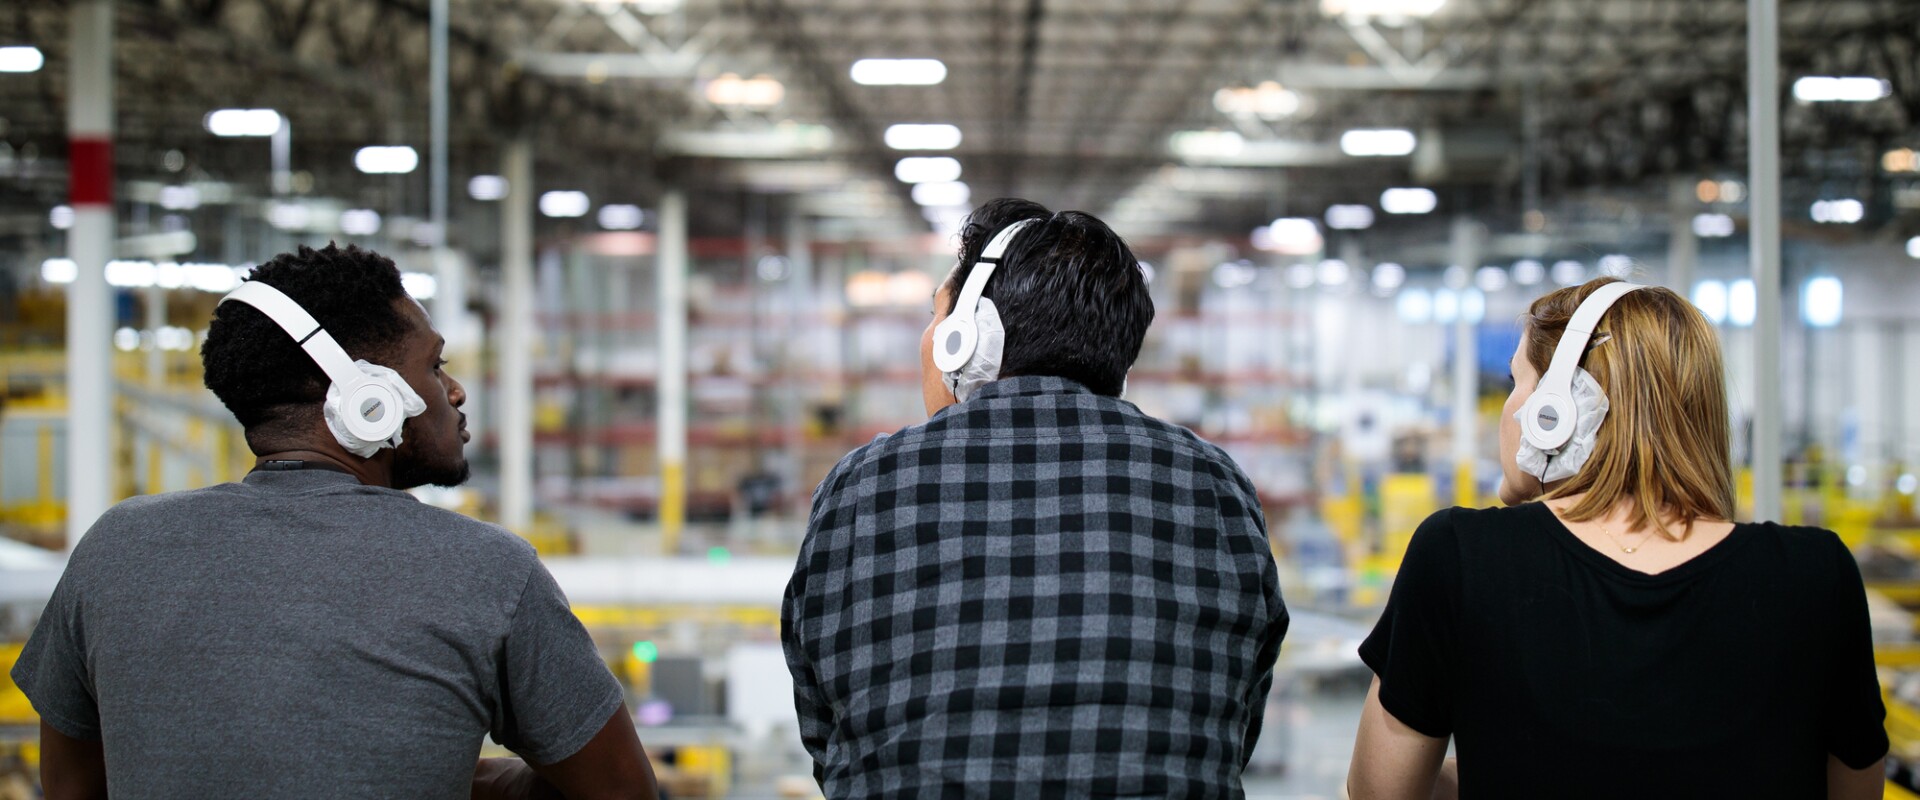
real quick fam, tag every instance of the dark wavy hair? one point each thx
(261, 374)
(1070, 293)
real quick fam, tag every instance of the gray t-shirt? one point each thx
(302, 635)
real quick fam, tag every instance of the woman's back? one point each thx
(1560, 672)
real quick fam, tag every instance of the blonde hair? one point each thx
(1666, 443)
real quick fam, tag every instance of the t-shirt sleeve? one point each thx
(1414, 647)
(1855, 717)
(52, 668)
(556, 693)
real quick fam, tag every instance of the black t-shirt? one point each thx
(1561, 673)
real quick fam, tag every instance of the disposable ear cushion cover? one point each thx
(414, 406)
(1591, 402)
(984, 367)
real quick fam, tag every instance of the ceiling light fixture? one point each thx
(1742, 302)
(1844, 211)
(1711, 298)
(1294, 236)
(396, 160)
(620, 217)
(487, 188)
(1349, 217)
(943, 193)
(912, 136)
(1828, 89)
(927, 169)
(1206, 144)
(1408, 201)
(1388, 276)
(1380, 8)
(898, 71)
(565, 204)
(1712, 226)
(1269, 101)
(1369, 142)
(1820, 302)
(244, 122)
(732, 91)
(21, 58)
(360, 222)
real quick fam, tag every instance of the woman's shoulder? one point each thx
(1459, 533)
(1496, 521)
(1799, 547)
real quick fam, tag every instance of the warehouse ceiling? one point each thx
(1165, 115)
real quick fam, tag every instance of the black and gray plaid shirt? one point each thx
(1039, 593)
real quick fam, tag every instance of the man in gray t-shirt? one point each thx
(312, 631)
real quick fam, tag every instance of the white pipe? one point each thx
(282, 144)
(1763, 132)
(1683, 247)
(672, 275)
(90, 472)
(1464, 251)
(515, 387)
(156, 312)
(799, 287)
(437, 124)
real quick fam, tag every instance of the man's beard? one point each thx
(408, 475)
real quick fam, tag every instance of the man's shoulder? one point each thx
(147, 518)
(1091, 419)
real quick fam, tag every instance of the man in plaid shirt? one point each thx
(1041, 591)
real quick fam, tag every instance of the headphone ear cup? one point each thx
(954, 340)
(1548, 419)
(372, 412)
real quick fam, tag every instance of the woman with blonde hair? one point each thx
(1611, 633)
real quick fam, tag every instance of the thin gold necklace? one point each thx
(1624, 548)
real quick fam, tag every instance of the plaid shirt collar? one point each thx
(1022, 386)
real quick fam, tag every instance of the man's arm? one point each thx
(71, 769)
(612, 766)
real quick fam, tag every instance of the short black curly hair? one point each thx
(1070, 292)
(260, 373)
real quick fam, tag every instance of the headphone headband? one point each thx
(956, 337)
(1550, 416)
(1566, 355)
(305, 330)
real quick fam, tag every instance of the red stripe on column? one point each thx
(90, 172)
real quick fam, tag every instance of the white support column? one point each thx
(282, 151)
(90, 243)
(515, 342)
(799, 291)
(155, 306)
(1683, 247)
(1763, 132)
(1464, 251)
(437, 134)
(671, 267)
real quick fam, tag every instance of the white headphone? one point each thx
(1551, 416)
(372, 401)
(957, 337)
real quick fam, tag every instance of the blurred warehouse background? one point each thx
(682, 252)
